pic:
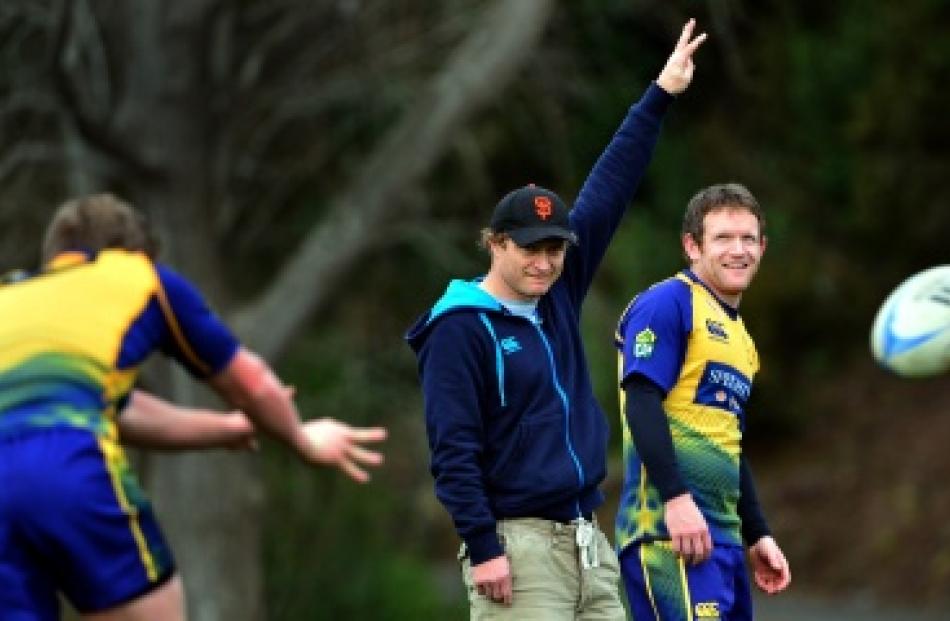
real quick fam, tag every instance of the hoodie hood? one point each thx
(459, 295)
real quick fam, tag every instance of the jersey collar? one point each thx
(730, 310)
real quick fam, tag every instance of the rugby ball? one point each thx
(911, 333)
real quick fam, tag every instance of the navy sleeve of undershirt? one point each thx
(651, 435)
(754, 526)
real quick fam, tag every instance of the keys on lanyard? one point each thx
(586, 546)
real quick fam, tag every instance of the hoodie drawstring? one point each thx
(499, 358)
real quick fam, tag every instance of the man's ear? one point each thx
(500, 244)
(493, 247)
(691, 248)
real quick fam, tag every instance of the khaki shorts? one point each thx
(549, 582)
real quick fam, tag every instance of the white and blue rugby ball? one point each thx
(911, 333)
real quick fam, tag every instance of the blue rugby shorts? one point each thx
(661, 587)
(73, 519)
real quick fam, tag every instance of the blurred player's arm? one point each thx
(150, 422)
(689, 534)
(201, 342)
(248, 383)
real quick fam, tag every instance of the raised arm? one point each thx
(615, 176)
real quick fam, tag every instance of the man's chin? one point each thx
(736, 288)
(739, 281)
(535, 291)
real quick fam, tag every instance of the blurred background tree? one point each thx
(322, 168)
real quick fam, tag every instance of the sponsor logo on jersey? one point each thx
(643, 343)
(510, 345)
(724, 387)
(717, 330)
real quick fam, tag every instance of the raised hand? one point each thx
(678, 71)
(333, 443)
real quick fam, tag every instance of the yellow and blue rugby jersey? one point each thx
(73, 336)
(696, 348)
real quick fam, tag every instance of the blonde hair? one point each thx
(488, 237)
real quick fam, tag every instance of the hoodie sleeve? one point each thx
(610, 187)
(453, 381)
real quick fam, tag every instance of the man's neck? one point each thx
(732, 301)
(503, 293)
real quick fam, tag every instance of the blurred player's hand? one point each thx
(245, 434)
(333, 443)
(678, 72)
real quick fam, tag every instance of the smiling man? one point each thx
(518, 443)
(686, 367)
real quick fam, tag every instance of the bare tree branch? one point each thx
(95, 129)
(28, 11)
(313, 85)
(28, 153)
(27, 101)
(481, 66)
(308, 100)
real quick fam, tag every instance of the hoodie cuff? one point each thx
(483, 547)
(655, 101)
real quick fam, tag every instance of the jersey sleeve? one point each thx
(653, 333)
(196, 337)
(650, 433)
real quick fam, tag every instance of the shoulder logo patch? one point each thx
(643, 343)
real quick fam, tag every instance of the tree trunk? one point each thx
(160, 140)
(208, 504)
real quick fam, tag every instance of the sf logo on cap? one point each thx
(542, 207)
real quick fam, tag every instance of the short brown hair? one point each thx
(95, 222)
(715, 197)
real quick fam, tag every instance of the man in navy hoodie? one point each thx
(518, 442)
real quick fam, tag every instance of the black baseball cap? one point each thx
(530, 214)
